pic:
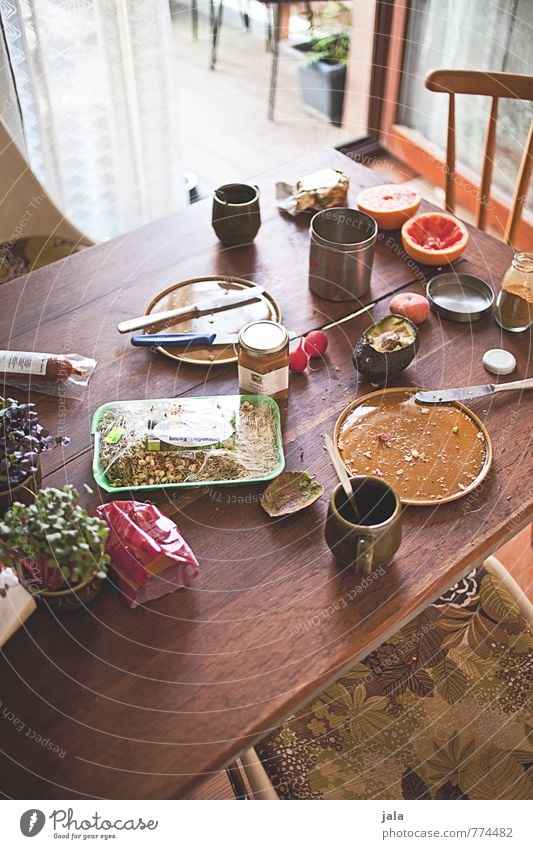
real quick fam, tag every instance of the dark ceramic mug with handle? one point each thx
(236, 216)
(374, 538)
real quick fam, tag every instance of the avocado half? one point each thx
(385, 349)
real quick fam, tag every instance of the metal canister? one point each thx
(341, 253)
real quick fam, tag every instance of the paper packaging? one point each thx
(15, 606)
(320, 190)
(147, 551)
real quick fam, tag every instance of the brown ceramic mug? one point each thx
(236, 216)
(375, 537)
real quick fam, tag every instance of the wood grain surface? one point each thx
(150, 702)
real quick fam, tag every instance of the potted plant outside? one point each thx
(22, 439)
(322, 69)
(56, 547)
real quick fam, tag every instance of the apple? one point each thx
(410, 305)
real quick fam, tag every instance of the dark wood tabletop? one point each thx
(147, 703)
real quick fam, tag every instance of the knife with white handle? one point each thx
(230, 299)
(463, 393)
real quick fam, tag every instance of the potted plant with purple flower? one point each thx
(22, 439)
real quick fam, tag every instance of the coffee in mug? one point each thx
(374, 536)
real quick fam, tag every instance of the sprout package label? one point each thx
(191, 429)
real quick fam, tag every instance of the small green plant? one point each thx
(333, 49)
(54, 539)
(329, 39)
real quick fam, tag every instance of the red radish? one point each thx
(316, 343)
(298, 359)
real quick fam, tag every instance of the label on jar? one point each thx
(23, 362)
(265, 384)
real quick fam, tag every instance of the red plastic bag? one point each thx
(147, 551)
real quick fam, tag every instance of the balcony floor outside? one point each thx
(226, 135)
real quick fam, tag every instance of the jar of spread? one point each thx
(514, 305)
(264, 359)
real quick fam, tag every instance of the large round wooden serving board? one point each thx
(430, 454)
(229, 321)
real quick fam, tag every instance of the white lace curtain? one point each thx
(95, 82)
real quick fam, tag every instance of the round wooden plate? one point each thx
(230, 321)
(446, 459)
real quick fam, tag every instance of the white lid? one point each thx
(498, 361)
(263, 337)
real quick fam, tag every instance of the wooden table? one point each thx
(147, 703)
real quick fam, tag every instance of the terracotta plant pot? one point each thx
(65, 599)
(24, 492)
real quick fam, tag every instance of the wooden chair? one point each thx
(33, 231)
(495, 85)
(440, 710)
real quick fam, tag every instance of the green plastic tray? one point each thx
(102, 481)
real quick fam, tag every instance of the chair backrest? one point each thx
(495, 85)
(25, 208)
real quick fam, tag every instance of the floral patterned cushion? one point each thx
(25, 255)
(442, 710)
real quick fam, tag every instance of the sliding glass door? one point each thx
(492, 35)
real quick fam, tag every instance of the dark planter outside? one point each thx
(323, 86)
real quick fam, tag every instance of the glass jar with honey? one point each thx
(264, 359)
(514, 304)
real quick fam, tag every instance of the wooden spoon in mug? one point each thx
(342, 475)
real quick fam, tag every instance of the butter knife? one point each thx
(463, 393)
(227, 301)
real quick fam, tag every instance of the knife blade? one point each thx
(463, 393)
(228, 300)
(184, 340)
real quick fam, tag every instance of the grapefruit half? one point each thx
(389, 205)
(434, 238)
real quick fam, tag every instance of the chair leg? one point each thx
(258, 780)
(216, 18)
(194, 19)
(245, 14)
(275, 56)
(268, 42)
(237, 782)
